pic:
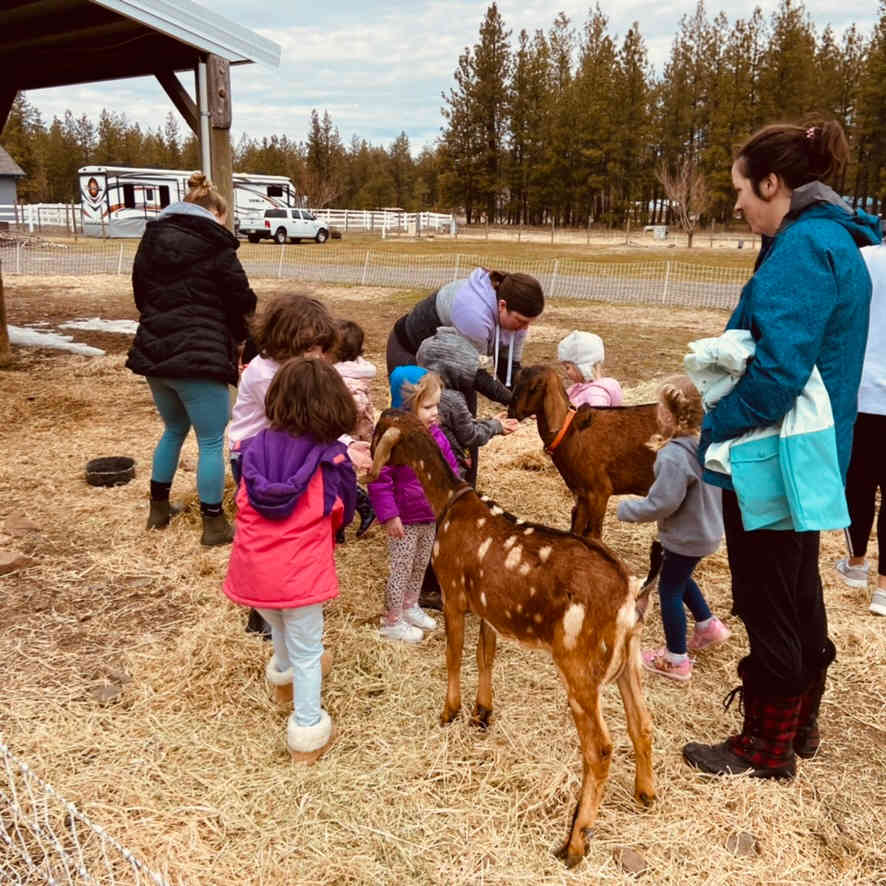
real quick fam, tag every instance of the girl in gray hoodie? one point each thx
(690, 526)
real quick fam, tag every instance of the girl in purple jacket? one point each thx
(404, 511)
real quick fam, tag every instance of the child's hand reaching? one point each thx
(394, 527)
(508, 425)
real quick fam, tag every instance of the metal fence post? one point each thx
(18, 257)
(457, 261)
(554, 278)
(664, 295)
(120, 261)
(280, 265)
(365, 268)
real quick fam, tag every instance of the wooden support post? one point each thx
(178, 95)
(5, 352)
(8, 92)
(219, 88)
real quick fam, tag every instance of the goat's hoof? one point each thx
(646, 798)
(480, 717)
(448, 716)
(569, 857)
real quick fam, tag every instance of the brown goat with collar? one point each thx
(550, 590)
(603, 451)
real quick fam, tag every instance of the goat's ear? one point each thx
(383, 448)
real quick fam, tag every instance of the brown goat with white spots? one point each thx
(550, 590)
(603, 451)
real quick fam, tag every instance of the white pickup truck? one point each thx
(285, 225)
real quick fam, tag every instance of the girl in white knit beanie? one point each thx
(581, 354)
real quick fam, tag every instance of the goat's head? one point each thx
(393, 427)
(533, 384)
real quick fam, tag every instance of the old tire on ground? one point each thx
(280, 236)
(115, 470)
(322, 235)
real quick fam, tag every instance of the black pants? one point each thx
(777, 593)
(867, 473)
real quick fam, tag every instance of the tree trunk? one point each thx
(5, 352)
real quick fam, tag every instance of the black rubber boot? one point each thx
(430, 596)
(216, 530)
(364, 509)
(255, 624)
(161, 513)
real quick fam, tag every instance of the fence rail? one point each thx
(43, 837)
(36, 217)
(661, 283)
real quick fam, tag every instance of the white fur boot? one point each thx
(280, 683)
(308, 743)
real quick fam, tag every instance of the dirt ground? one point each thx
(131, 687)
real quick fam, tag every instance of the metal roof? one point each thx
(60, 42)
(8, 166)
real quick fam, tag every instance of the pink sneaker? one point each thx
(713, 634)
(656, 660)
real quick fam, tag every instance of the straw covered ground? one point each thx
(130, 685)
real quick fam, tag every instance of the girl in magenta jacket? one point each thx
(298, 487)
(404, 511)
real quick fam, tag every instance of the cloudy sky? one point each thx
(379, 66)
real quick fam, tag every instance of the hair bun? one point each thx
(199, 180)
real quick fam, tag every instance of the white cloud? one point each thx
(379, 66)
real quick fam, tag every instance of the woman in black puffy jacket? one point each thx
(193, 298)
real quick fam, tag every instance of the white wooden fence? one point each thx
(35, 217)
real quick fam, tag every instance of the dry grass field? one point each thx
(184, 761)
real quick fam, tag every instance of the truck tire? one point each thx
(253, 238)
(322, 235)
(280, 236)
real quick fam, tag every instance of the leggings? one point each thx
(183, 402)
(867, 473)
(410, 557)
(676, 587)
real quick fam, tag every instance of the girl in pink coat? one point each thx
(581, 354)
(298, 487)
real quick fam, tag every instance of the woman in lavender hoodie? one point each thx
(491, 309)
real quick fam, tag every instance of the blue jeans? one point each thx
(183, 402)
(676, 587)
(297, 635)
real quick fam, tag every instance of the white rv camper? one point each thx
(117, 201)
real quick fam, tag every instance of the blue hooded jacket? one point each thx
(806, 305)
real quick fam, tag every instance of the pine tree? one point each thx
(491, 68)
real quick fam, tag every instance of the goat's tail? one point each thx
(656, 557)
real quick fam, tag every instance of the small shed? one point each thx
(10, 173)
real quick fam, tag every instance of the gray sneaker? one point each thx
(854, 576)
(878, 602)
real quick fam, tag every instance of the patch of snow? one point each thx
(97, 324)
(33, 338)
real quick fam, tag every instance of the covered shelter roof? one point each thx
(45, 43)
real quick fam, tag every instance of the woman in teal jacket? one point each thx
(806, 305)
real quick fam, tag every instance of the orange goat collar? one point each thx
(564, 428)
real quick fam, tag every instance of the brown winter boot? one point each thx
(763, 749)
(216, 530)
(161, 513)
(308, 743)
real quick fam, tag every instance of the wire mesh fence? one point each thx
(656, 282)
(46, 839)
